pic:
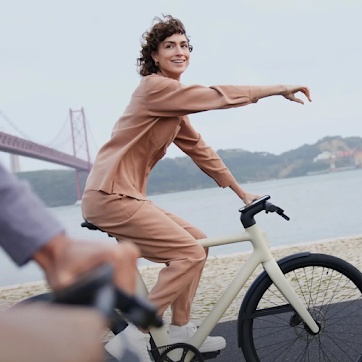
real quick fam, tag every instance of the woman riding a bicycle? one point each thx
(115, 196)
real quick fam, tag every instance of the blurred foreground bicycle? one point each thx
(305, 307)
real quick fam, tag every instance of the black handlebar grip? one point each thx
(269, 207)
(139, 311)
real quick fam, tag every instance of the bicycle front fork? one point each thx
(278, 278)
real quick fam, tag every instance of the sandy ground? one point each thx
(217, 274)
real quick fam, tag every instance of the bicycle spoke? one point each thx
(268, 321)
(335, 291)
(291, 341)
(300, 287)
(309, 287)
(346, 306)
(340, 301)
(336, 344)
(346, 341)
(277, 343)
(270, 334)
(319, 287)
(321, 349)
(280, 296)
(290, 348)
(329, 282)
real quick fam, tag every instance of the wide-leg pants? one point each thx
(162, 238)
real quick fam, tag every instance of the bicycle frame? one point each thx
(260, 255)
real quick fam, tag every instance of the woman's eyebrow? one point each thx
(173, 42)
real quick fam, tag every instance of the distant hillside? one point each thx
(57, 188)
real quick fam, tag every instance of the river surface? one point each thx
(320, 207)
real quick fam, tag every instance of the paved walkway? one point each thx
(218, 272)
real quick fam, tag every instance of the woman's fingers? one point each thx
(306, 92)
(291, 90)
(292, 98)
(298, 100)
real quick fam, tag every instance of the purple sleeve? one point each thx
(25, 224)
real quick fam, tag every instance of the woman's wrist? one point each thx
(272, 90)
(238, 190)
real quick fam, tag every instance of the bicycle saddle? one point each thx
(88, 225)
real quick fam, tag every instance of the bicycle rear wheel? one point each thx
(272, 331)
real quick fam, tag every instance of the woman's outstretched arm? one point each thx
(166, 97)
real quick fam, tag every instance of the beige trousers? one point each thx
(162, 238)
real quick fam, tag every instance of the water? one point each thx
(320, 207)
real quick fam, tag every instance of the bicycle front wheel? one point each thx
(272, 331)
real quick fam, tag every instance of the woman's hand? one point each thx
(290, 90)
(249, 198)
(245, 196)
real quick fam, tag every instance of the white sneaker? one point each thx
(133, 339)
(183, 335)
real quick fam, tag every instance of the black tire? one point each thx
(331, 289)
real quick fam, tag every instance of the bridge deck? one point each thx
(22, 147)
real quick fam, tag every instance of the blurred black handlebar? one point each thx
(96, 289)
(248, 212)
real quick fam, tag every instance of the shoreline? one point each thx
(210, 257)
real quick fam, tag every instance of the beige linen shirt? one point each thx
(155, 117)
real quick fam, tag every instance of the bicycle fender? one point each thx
(243, 307)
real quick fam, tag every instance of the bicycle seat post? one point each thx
(159, 335)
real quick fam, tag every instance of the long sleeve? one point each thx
(190, 142)
(25, 224)
(166, 97)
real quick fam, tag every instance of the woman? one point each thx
(115, 196)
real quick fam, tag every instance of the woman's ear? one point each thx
(154, 56)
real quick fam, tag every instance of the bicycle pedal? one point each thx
(210, 355)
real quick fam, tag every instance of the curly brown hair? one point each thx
(152, 38)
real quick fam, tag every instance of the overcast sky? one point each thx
(57, 55)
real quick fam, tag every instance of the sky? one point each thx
(62, 55)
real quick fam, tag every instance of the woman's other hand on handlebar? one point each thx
(247, 197)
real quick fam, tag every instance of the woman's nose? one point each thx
(179, 50)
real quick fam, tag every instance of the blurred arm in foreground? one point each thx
(46, 332)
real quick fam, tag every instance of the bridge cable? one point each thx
(12, 124)
(90, 131)
(49, 144)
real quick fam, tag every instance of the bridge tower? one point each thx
(14, 163)
(80, 141)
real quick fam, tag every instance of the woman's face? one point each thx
(173, 56)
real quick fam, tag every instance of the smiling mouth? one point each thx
(178, 61)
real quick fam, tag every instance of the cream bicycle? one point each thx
(305, 307)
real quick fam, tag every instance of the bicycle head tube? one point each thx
(248, 212)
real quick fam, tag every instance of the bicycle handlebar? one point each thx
(96, 289)
(248, 212)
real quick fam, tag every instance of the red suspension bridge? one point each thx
(24, 147)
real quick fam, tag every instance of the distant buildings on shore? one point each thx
(351, 159)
